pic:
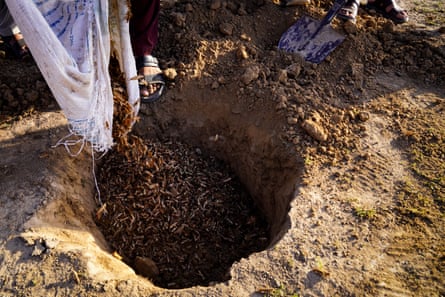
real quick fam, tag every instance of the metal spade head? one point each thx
(302, 38)
(313, 39)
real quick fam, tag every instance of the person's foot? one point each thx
(349, 11)
(149, 89)
(16, 46)
(151, 83)
(388, 9)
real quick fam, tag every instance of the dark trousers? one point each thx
(144, 26)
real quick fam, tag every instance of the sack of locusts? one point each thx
(71, 44)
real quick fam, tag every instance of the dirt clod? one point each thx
(315, 130)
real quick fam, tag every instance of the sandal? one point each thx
(349, 11)
(150, 79)
(395, 14)
(15, 46)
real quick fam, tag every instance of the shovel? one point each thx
(314, 40)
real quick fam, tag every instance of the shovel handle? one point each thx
(338, 4)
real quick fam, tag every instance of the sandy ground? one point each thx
(345, 158)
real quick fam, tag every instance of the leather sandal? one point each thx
(394, 14)
(349, 11)
(150, 79)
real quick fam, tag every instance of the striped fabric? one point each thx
(72, 22)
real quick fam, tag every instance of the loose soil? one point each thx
(345, 160)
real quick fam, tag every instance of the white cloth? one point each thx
(121, 48)
(70, 42)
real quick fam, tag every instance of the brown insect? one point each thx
(101, 211)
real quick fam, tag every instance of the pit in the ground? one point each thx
(177, 216)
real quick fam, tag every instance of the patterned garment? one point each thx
(70, 42)
(72, 22)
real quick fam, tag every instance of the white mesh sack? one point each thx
(122, 50)
(70, 42)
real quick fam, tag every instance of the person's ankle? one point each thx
(148, 70)
(18, 36)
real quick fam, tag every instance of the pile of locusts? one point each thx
(177, 216)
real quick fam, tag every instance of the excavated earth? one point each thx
(256, 174)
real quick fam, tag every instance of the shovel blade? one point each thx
(300, 39)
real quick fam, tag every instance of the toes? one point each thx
(150, 89)
(144, 91)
